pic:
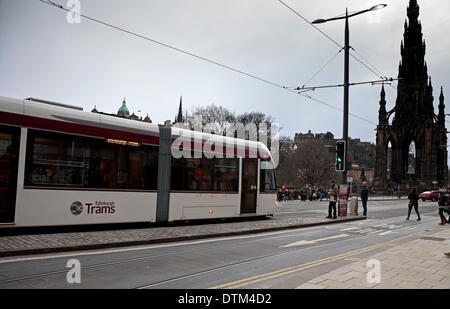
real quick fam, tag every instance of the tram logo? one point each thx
(97, 207)
(76, 208)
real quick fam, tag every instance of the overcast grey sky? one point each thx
(87, 64)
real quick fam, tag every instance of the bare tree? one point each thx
(227, 119)
(213, 114)
(314, 163)
(286, 170)
(308, 163)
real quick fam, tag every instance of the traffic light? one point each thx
(340, 156)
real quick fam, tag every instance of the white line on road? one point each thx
(309, 242)
(388, 226)
(387, 232)
(350, 228)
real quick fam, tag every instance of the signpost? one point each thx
(350, 181)
(343, 200)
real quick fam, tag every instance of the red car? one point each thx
(429, 196)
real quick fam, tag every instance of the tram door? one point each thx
(9, 153)
(249, 185)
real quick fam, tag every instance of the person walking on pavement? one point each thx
(413, 202)
(443, 207)
(364, 197)
(333, 193)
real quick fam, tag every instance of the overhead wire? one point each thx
(378, 74)
(53, 4)
(322, 68)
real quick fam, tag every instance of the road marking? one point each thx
(385, 233)
(289, 270)
(309, 242)
(350, 228)
(389, 226)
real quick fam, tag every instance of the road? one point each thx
(282, 259)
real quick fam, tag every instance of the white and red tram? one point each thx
(60, 166)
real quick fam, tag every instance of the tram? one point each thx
(60, 165)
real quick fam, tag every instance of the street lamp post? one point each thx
(347, 74)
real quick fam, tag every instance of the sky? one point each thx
(86, 64)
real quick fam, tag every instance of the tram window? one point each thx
(191, 174)
(72, 161)
(226, 175)
(58, 161)
(267, 181)
(201, 174)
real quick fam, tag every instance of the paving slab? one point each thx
(401, 266)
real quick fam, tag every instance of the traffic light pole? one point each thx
(346, 73)
(346, 91)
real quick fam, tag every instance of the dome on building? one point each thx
(123, 110)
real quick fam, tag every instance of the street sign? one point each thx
(343, 200)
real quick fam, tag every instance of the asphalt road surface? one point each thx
(283, 259)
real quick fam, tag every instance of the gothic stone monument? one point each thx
(412, 122)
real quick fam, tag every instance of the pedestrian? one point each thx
(364, 197)
(413, 202)
(280, 195)
(443, 207)
(333, 193)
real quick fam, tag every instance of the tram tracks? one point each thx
(194, 250)
(146, 257)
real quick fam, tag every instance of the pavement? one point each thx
(33, 243)
(415, 264)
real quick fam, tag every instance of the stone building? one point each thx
(413, 135)
(123, 112)
(300, 138)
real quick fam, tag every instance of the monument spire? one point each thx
(414, 101)
(382, 115)
(441, 115)
(180, 111)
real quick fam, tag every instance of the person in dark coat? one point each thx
(413, 202)
(280, 195)
(443, 207)
(364, 197)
